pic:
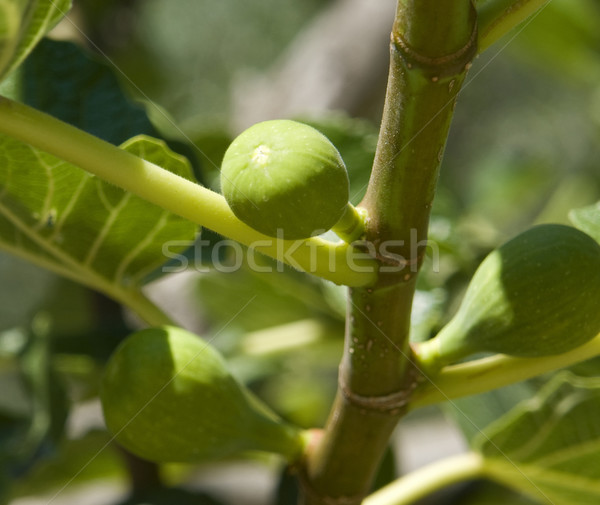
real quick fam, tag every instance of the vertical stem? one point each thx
(433, 42)
(421, 94)
(369, 402)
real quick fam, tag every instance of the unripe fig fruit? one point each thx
(285, 179)
(167, 397)
(536, 295)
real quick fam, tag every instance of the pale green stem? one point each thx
(429, 354)
(426, 480)
(145, 308)
(495, 18)
(485, 374)
(339, 262)
(351, 225)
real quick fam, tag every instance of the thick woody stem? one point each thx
(433, 43)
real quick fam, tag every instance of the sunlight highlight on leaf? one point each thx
(22, 25)
(548, 447)
(71, 222)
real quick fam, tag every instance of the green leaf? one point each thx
(587, 220)
(61, 79)
(64, 219)
(22, 24)
(472, 413)
(548, 447)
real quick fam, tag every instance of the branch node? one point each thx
(448, 64)
(392, 404)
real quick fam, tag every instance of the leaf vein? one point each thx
(46, 206)
(69, 206)
(110, 221)
(566, 453)
(159, 225)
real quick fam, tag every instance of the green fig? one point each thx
(286, 179)
(537, 295)
(168, 397)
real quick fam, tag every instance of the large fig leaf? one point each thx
(64, 219)
(587, 220)
(22, 24)
(548, 447)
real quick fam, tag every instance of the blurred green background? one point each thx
(524, 148)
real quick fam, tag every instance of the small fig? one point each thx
(285, 179)
(537, 295)
(168, 397)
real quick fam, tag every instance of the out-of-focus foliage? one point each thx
(183, 55)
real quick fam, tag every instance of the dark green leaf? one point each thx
(62, 80)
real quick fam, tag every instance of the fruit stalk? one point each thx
(351, 225)
(494, 372)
